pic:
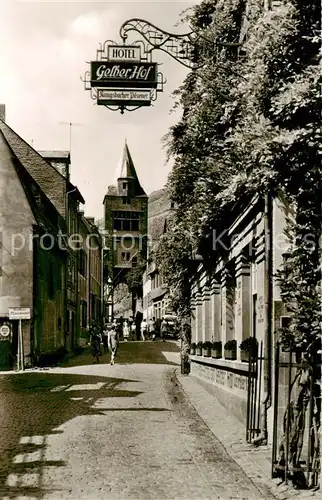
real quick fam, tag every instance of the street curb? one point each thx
(254, 461)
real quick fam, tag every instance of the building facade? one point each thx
(238, 301)
(155, 290)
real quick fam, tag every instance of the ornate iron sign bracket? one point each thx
(180, 47)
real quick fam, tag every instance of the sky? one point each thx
(44, 50)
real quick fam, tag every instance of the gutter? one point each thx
(267, 396)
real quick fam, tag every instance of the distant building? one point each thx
(155, 290)
(126, 217)
(89, 278)
(39, 259)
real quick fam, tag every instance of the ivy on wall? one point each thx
(250, 124)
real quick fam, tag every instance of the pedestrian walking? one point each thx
(105, 338)
(144, 328)
(164, 329)
(95, 345)
(133, 330)
(126, 330)
(152, 328)
(113, 343)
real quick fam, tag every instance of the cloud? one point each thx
(86, 24)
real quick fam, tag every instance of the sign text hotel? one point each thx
(124, 53)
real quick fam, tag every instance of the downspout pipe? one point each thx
(267, 396)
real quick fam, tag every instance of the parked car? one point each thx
(173, 325)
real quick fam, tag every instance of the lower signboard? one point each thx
(126, 97)
(19, 312)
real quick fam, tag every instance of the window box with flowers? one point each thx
(248, 349)
(199, 348)
(216, 350)
(230, 350)
(206, 349)
(193, 348)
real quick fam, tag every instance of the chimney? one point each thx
(3, 112)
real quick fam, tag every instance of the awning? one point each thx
(158, 293)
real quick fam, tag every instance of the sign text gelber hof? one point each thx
(130, 97)
(123, 74)
(123, 53)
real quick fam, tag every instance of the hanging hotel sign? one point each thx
(123, 77)
(134, 97)
(123, 74)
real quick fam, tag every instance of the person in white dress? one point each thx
(126, 330)
(144, 328)
(113, 343)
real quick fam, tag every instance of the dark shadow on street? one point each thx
(129, 353)
(33, 405)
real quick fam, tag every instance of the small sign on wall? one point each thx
(19, 313)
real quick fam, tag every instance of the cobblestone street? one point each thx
(114, 432)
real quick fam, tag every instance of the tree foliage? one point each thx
(250, 124)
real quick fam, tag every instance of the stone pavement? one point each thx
(129, 431)
(110, 432)
(255, 461)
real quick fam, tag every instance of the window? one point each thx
(286, 264)
(125, 256)
(71, 274)
(124, 185)
(82, 262)
(254, 319)
(134, 261)
(126, 221)
(84, 313)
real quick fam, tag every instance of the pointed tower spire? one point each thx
(127, 177)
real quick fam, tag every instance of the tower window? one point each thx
(134, 261)
(125, 256)
(124, 185)
(126, 221)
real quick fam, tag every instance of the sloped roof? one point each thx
(47, 216)
(126, 167)
(156, 227)
(112, 191)
(159, 211)
(55, 154)
(46, 176)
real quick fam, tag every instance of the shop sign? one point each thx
(123, 74)
(129, 97)
(123, 53)
(19, 312)
(4, 331)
